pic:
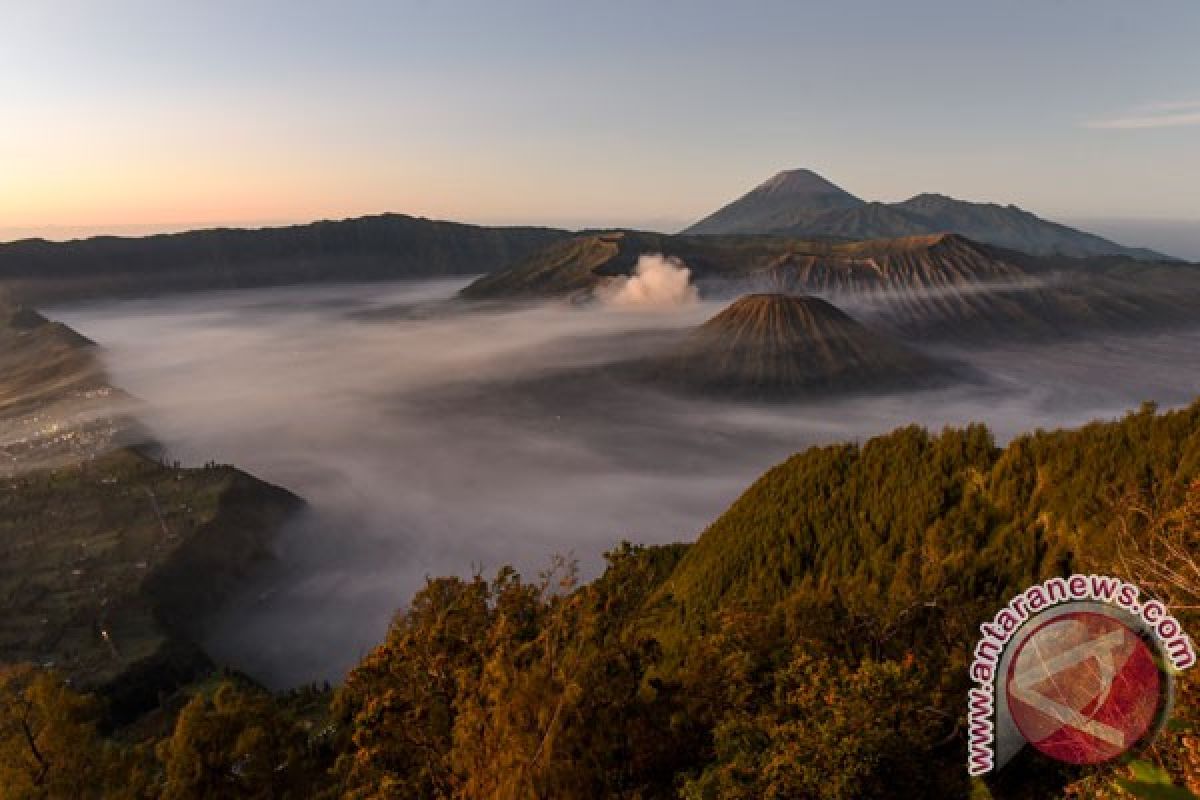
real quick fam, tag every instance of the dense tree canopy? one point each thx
(811, 644)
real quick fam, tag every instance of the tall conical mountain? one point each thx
(801, 203)
(775, 346)
(790, 198)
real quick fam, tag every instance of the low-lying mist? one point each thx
(431, 443)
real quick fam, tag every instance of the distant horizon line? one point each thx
(67, 232)
(17, 233)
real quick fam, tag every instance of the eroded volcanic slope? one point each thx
(776, 346)
(921, 286)
(109, 559)
(586, 262)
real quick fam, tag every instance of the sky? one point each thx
(129, 116)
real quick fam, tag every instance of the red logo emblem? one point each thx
(1083, 688)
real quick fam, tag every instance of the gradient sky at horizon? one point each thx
(136, 115)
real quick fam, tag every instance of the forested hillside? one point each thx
(811, 643)
(920, 516)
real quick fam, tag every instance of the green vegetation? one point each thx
(106, 565)
(913, 517)
(811, 644)
(223, 739)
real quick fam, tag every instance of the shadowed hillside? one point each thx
(107, 568)
(384, 247)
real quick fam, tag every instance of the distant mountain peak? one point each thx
(801, 203)
(799, 181)
(930, 197)
(786, 198)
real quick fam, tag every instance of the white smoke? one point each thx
(658, 281)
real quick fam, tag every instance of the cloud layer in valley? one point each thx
(430, 443)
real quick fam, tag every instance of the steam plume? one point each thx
(658, 282)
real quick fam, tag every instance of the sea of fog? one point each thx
(429, 441)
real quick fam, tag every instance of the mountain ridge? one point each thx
(924, 286)
(588, 260)
(786, 204)
(377, 247)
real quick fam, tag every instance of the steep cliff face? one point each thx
(774, 346)
(381, 247)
